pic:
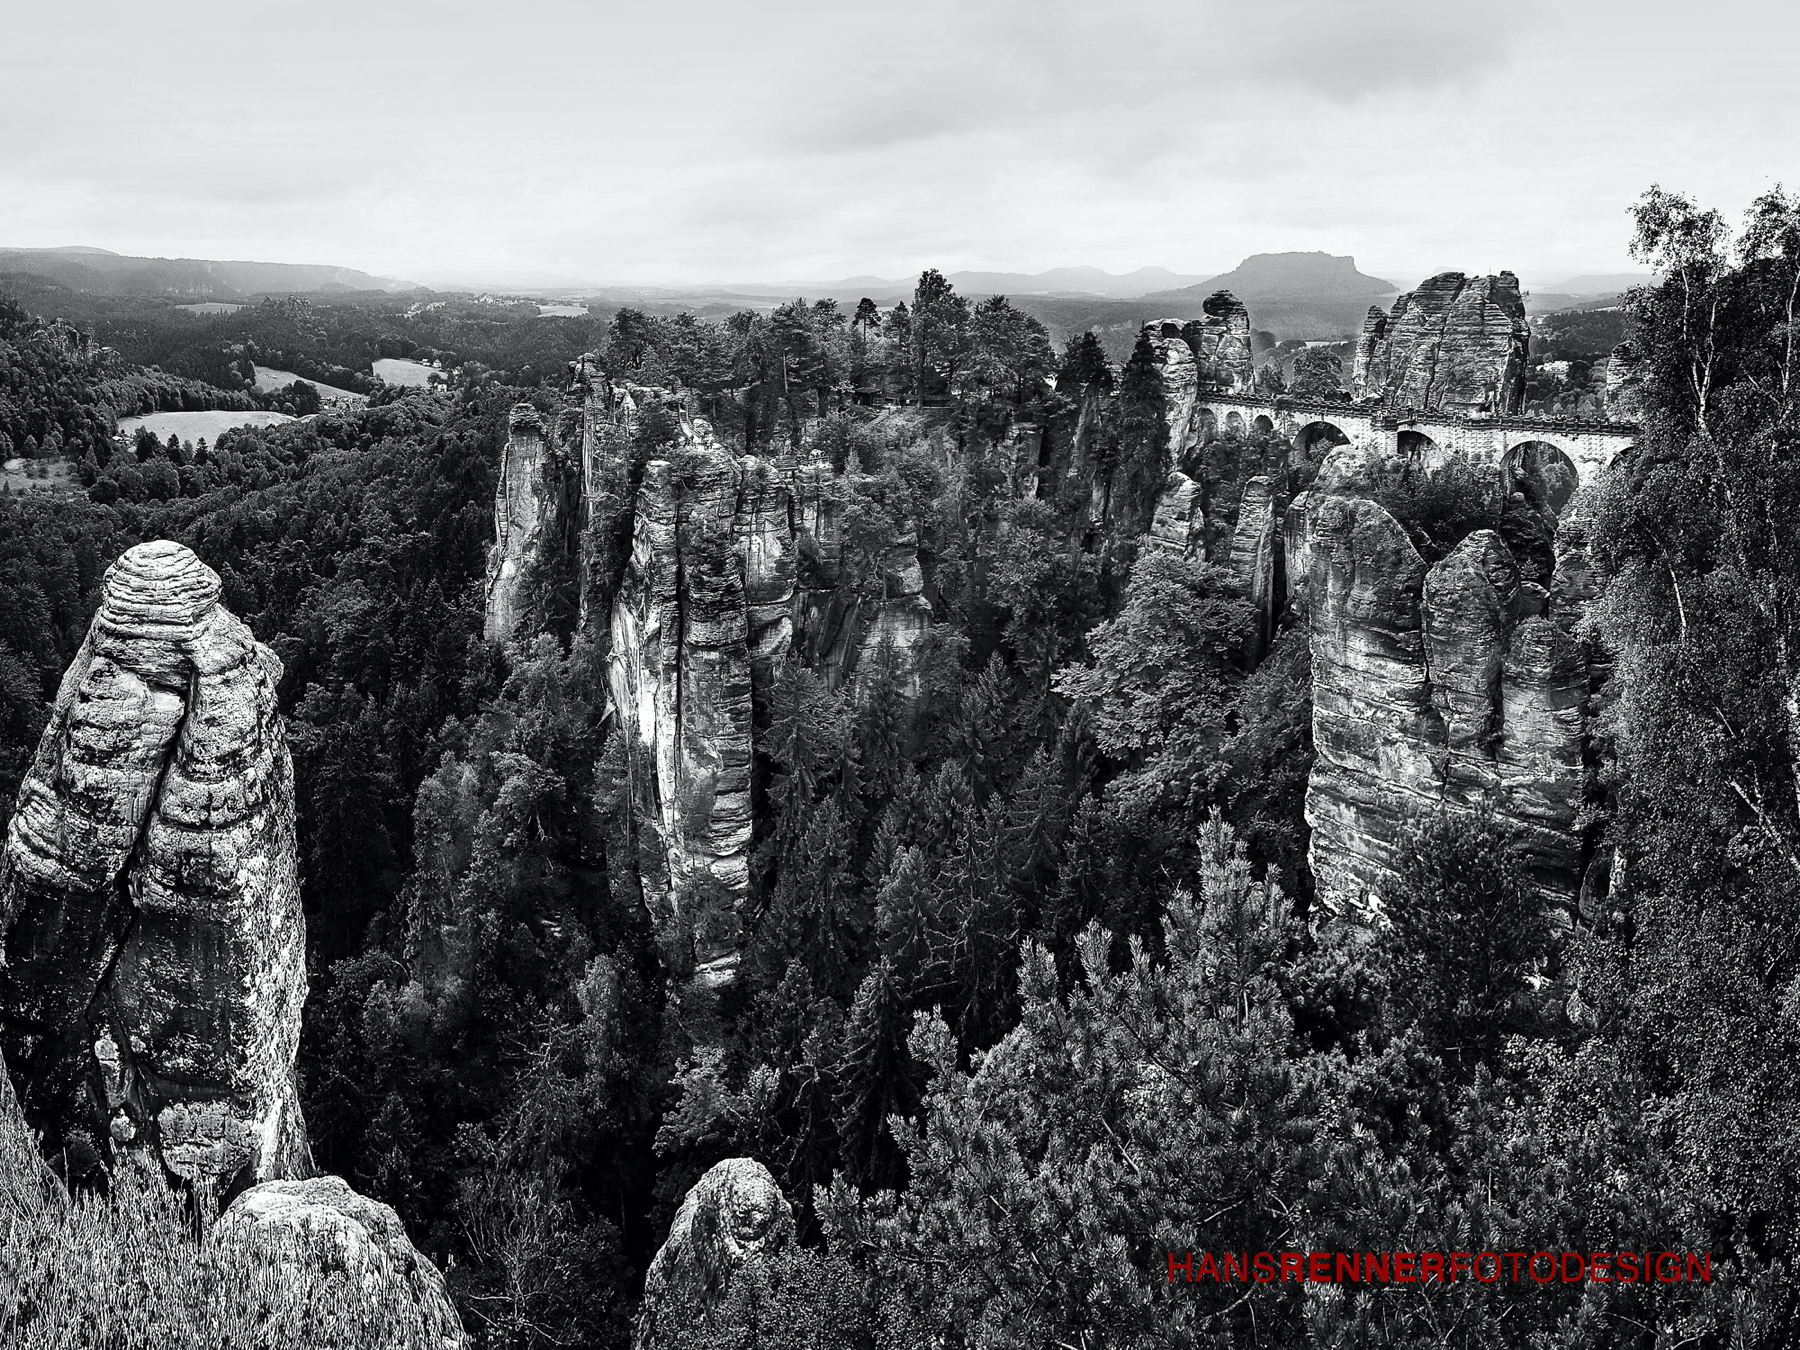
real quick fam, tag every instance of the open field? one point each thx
(210, 307)
(191, 426)
(412, 374)
(562, 311)
(269, 380)
(20, 475)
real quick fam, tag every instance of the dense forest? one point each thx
(1034, 989)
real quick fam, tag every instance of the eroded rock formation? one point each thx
(1256, 560)
(703, 569)
(1221, 343)
(734, 1216)
(155, 950)
(1440, 688)
(155, 954)
(323, 1223)
(528, 504)
(1457, 343)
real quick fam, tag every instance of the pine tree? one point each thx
(876, 1079)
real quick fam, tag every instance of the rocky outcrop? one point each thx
(733, 1217)
(155, 950)
(1625, 384)
(1372, 711)
(1178, 525)
(725, 565)
(679, 676)
(1175, 362)
(1457, 687)
(1221, 344)
(1456, 344)
(322, 1223)
(528, 505)
(155, 953)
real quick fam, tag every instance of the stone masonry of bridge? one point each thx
(1590, 443)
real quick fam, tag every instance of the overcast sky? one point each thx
(664, 141)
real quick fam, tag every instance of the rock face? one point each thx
(1256, 560)
(679, 676)
(323, 1222)
(527, 506)
(155, 954)
(1441, 688)
(1457, 344)
(1221, 343)
(734, 1216)
(1625, 384)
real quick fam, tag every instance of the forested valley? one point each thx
(1035, 989)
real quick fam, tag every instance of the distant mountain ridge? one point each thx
(1293, 295)
(1289, 276)
(1601, 283)
(1061, 281)
(97, 270)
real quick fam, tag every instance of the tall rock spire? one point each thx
(155, 961)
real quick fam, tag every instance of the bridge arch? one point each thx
(1206, 421)
(1542, 471)
(1262, 423)
(1317, 437)
(1234, 425)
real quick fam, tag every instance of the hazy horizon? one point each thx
(549, 145)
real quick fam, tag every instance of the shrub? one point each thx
(138, 1265)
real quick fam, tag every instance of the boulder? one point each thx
(322, 1222)
(155, 954)
(733, 1217)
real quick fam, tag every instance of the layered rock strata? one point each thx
(1440, 688)
(1456, 344)
(733, 1217)
(155, 950)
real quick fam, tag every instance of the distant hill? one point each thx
(1293, 295)
(1299, 276)
(104, 273)
(1600, 283)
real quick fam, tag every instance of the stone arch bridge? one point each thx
(1589, 444)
